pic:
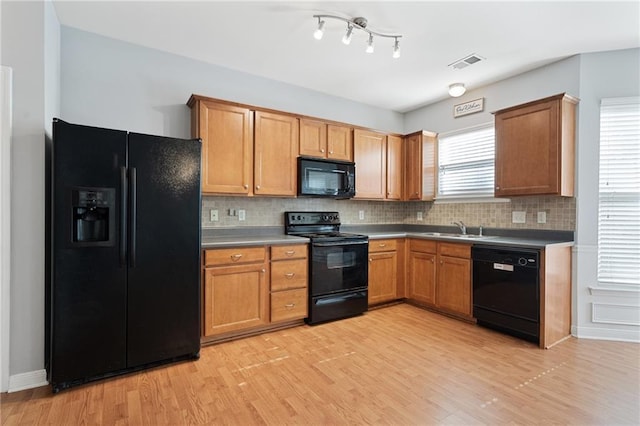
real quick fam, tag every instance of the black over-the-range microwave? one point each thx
(326, 178)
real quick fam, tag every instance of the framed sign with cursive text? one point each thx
(470, 107)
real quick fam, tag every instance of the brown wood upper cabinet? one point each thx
(323, 140)
(276, 151)
(379, 162)
(420, 166)
(535, 148)
(227, 145)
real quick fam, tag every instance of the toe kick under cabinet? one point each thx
(251, 289)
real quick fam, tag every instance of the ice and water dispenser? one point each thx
(93, 216)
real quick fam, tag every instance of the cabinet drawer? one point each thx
(382, 245)
(288, 305)
(232, 256)
(455, 250)
(288, 274)
(425, 246)
(298, 251)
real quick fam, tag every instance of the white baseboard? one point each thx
(29, 380)
(599, 333)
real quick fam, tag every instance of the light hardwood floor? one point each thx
(397, 365)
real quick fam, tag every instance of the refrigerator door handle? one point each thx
(123, 215)
(133, 183)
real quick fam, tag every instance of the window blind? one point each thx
(466, 162)
(619, 193)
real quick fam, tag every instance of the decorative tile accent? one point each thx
(260, 211)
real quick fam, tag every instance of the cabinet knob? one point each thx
(322, 150)
(370, 260)
(290, 275)
(497, 187)
(258, 187)
(246, 186)
(330, 152)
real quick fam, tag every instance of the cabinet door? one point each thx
(235, 298)
(313, 138)
(227, 147)
(422, 277)
(528, 150)
(454, 285)
(339, 142)
(394, 167)
(276, 150)
(370, 156)
(383, 277)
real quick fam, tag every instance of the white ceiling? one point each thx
(274, 39)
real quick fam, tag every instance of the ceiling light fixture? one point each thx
(359, 23)
(457, 89)
(317, 34)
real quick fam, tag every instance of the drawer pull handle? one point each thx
(382, 245)
(290, 275)
(290, 305)
(235, 257)
(290, 253)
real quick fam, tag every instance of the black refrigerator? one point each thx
(123, 287)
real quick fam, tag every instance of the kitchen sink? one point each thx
(461, 236)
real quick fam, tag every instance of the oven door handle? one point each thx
(340, 243)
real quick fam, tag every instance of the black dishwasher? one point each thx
(506, 290)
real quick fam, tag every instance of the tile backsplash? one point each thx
(560, 212)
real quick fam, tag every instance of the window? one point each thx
(619, 193)
(466, 162)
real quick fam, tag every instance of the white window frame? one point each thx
(619, 194)
(464, 136)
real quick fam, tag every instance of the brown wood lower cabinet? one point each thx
(383, 271)
(439, 276)
(235, 290)
(243, 291)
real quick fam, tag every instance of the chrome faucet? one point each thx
(463, 228)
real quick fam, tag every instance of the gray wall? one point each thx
(34, 59)
(110, 83)
(602, 75)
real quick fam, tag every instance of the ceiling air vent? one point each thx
(466, 61)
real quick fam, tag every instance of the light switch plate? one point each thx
(361, 215)
(518, 217)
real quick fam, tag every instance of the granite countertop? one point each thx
(271, 235)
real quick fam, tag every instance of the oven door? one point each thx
(338, 266)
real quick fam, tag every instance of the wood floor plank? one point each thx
(395, 365)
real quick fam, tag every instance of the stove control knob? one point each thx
(325, 217)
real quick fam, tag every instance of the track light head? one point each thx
(319, 32)
(370, 44)
(396, 49)
(347, 37)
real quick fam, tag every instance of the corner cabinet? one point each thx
(420, 166)
(323, 140)
(227, 145)
(379, 164)
(535, 148)
(439, 276)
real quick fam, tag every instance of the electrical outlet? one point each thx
(361, 215)
(542, 217)
(419, 215)
(242, 215)
(518, 217)
(213, 215)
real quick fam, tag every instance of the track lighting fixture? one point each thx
(358, 23)
(457, 89)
